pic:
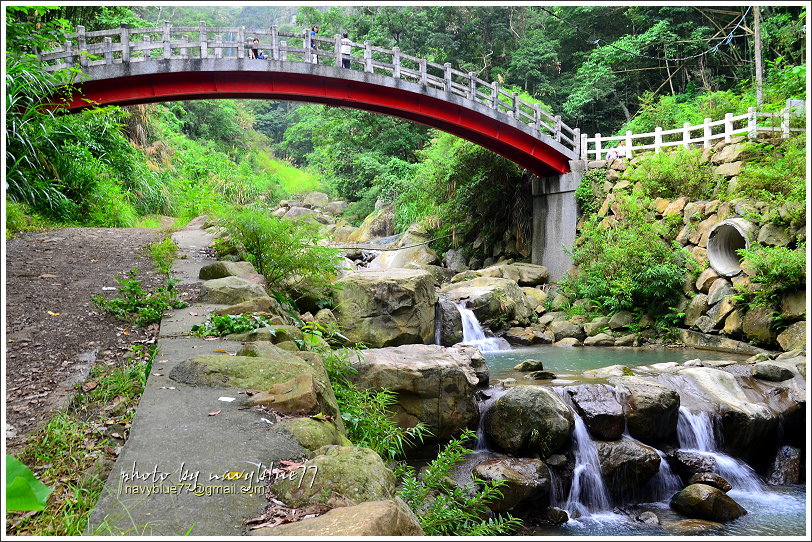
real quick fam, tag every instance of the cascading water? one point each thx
(473, 334)
(695, 432)
(484, 404)
(588, 493)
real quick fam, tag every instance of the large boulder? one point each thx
(316, 199)
(449, 321)
(706, 502)
(564, 329)
(746, 425)
(374, 518)
(412, 249)
(758, 325)
(230, 291)
(525, 479)
(340, 476)
(386, 308)
(627, 465)
(379, 223)
(651, 408)
(434, 385)
(794, 337)
(600, 410)
(687, 463)
(493, 300)
(529, 420)
(218, 270)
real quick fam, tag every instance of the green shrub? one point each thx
(445, 509)
(674, 174)
(285, 252)
(778, 269)
(163, 254)
(627, 265)
(587, 195)
(776, 173)
(226, 324)
(138, 306)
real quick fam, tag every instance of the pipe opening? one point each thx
(724, 240)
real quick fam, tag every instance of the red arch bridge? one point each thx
(126, 66)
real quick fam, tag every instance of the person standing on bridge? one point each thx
(313, 31)
(346, 49)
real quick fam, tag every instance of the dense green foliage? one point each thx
(778, 270)
(626, 264)
(226, 324)
(444, 508)
(674, 174)
(286, 252)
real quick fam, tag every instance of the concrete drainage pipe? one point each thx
(724, 240)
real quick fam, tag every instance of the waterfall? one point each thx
(665, 483)
(473, 334)
(484, 404)
(588, 493)
(696, 433)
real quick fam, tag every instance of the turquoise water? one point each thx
(573, 361)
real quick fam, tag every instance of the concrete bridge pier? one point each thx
(555, 214)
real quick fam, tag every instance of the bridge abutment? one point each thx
(555, 214)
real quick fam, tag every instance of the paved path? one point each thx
(168, 480)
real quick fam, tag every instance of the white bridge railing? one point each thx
(703, 135)
(130, 45)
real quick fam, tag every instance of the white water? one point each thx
(588, 493)
(481, 440)
(696, 433)
(473, 334)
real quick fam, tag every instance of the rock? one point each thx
(621, 319)
(706, 502)
(688, 527)
(450, 322)
(697, 307)
(299, 212)
(412, 250)
(598, 407)
(730, 169)
(531, 274)
(627, 465)
(433, 384)
(560, 302)
(757, 324)
(733, 323)
(529, 365)
(299, 395)
(520, 335)
(700, 256)
(335, 208)
(773, 235)
(441, 275)
(568, 342)
(455, 260)
(525, 479)
(273, 334)
(688, 463)
(729, 153)
(535, 299)
(597, 325)
(341, 475)
(711, 479)
(265, 305)
(386, 308)
(660, 205)
(718, 290)
(601, 339)
(651, 408)
(705, 279)
(218, 270)
(491, 299)
(316, 199)
(627, 340)
(771, 371)
(555, 516)
(719, 312)
(378, 224)
(793, 305)
(540, 375)
(786, 467)
(310, 433)
(528, 420)
(648, 518)
(378, 518)
(343, 233)
(230, 291)
(563, 329)
(675, 207)
(794, 337)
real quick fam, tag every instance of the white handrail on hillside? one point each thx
(130, 45)
(724, 129)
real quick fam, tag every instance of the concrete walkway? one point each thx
(172, 477)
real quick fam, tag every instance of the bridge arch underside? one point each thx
(463, 118)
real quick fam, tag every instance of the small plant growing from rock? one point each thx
(226, 324)
(138, 306)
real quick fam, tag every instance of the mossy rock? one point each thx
(273, 334)
(312, 434)
(341, 476)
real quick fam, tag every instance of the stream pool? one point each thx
(773, 511)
